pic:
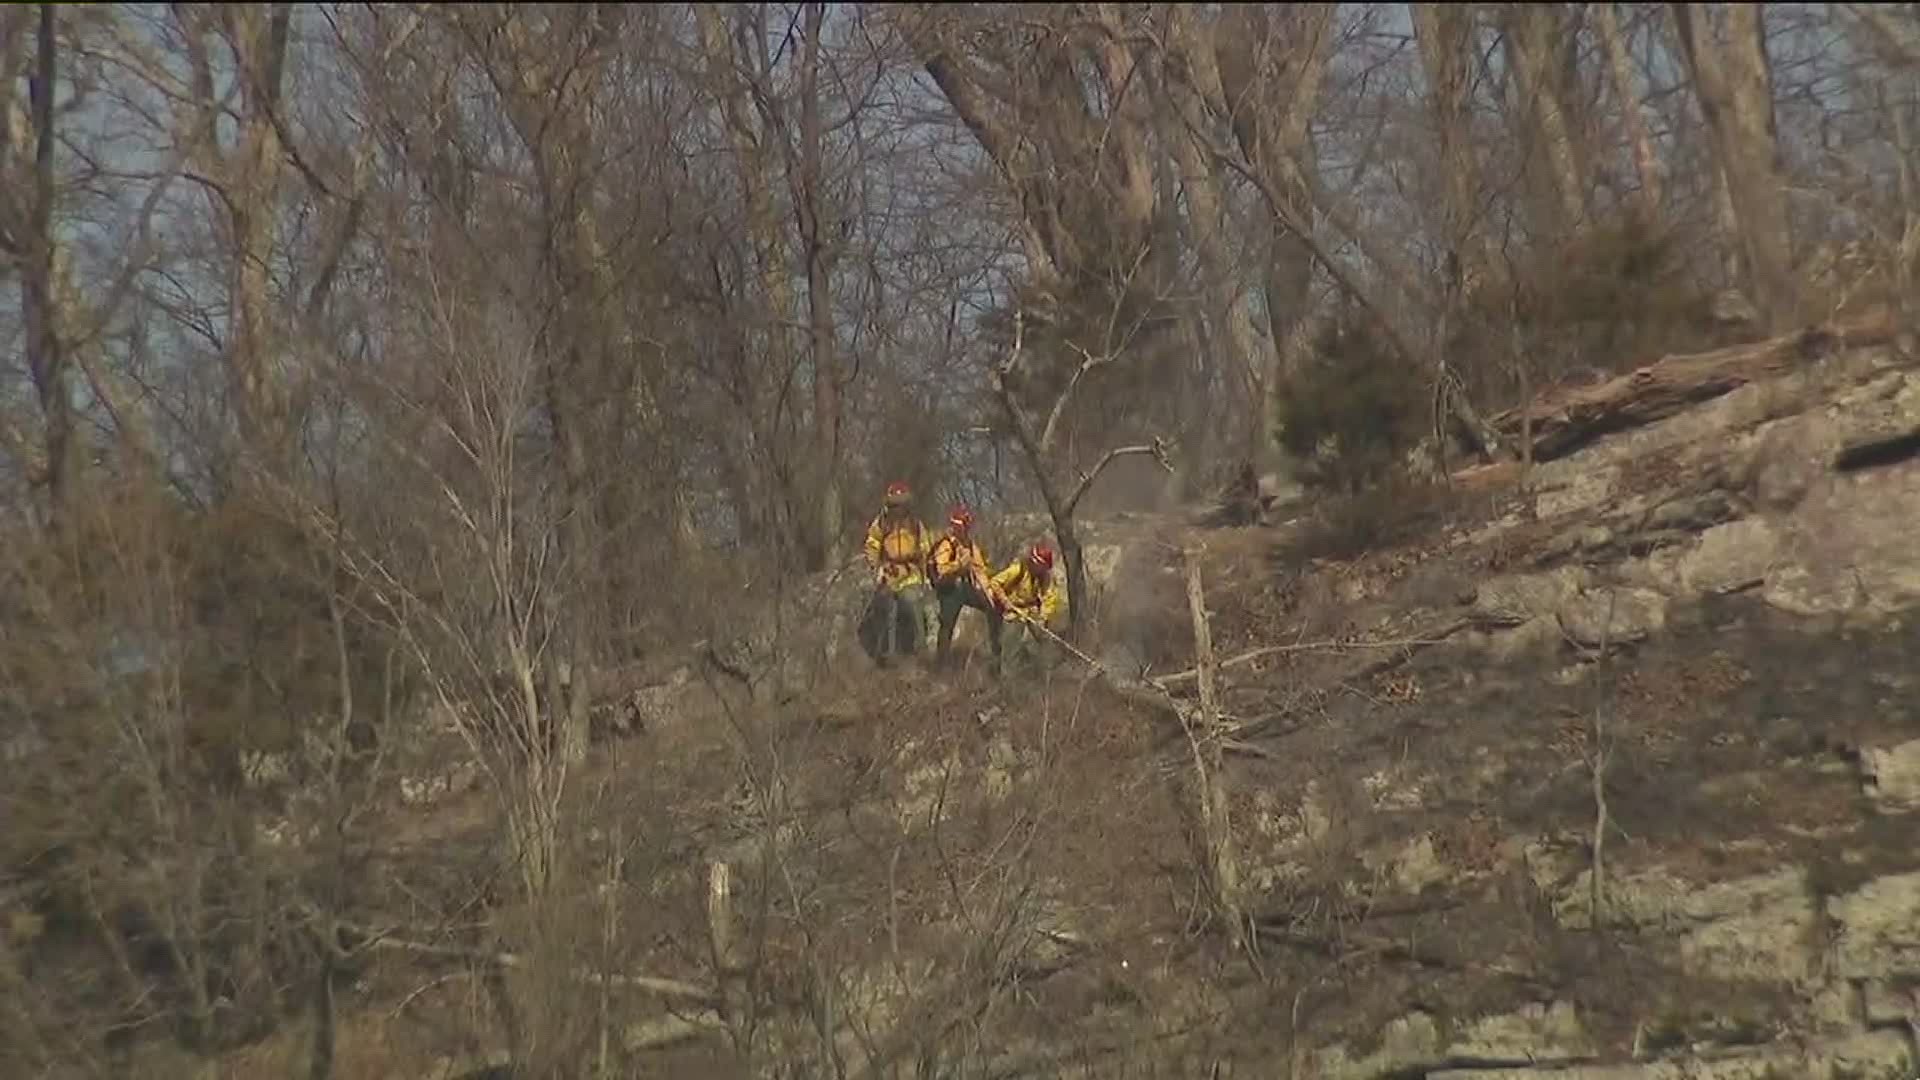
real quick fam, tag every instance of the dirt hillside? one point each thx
(1673, 675)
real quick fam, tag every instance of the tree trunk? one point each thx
(46, 354)
(1273, 136)
(581, 607)
(1728, 60)
(1079, 604)
(547, 111)
(1646, 161)
(1232, 336)
(576, 372)
(754, 162)
(1531, 48)
(1083, 180)
(1132, 177)
(822, 251)
(1444, 34)
(320, 1060)
(253, 193)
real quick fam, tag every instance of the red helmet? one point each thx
(1041, 558)
(898, 493)
(960, 518)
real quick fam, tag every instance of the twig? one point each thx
(673, 988)
(1598, 766)
(1355, 946)
(1298, 647)
(1087, 363)
(1157, 448)
(1236, 746)
(442, 980)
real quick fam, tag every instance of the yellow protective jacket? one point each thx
(1028, 595)
(953, 558)
(897, 550)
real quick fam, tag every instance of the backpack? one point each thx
(928, 562)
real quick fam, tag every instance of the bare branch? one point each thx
(1157, 449)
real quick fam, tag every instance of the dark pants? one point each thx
(1031, 650)
(894, 625)
(963, 594)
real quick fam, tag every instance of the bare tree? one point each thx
(1261, 76)
(32, 235)
(1081, 180)
(1060, 491)
(755, 160)
(1646, 160)
(1726, 53)
(1533, 35)
(1445, 35)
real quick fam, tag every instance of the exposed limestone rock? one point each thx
(1536, 636)
(1585, 540)
(1787, 459)
(1523, 596)
(1412, 866)
(265, 768)
(652, 707)
(429, 788)
(1554, 863)
(1534, 1032)
(1878, 1055)
(1893, 776)
(1884, 1003)
(1284, 836)
(1418, 1042)
(1877, 929)
(1407, 1042)
(1576, 491)
(1693, 513)
(1749, 928)
(1853, 549)
(1835, 1008)
(1614, 616)
(925, 787)
(1003, 765)
(1730, 556)
(1388, 790)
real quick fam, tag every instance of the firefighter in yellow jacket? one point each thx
(1030, 596)
(897, 548)
(960, 579)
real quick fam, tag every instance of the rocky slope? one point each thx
(1709, 615)
(1610, 776)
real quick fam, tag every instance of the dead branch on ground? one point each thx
(1264, 651)
(1564, 422)
(1221, 863)
(653, 984)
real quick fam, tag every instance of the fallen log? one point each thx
(1565, 420)
(367, 938)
